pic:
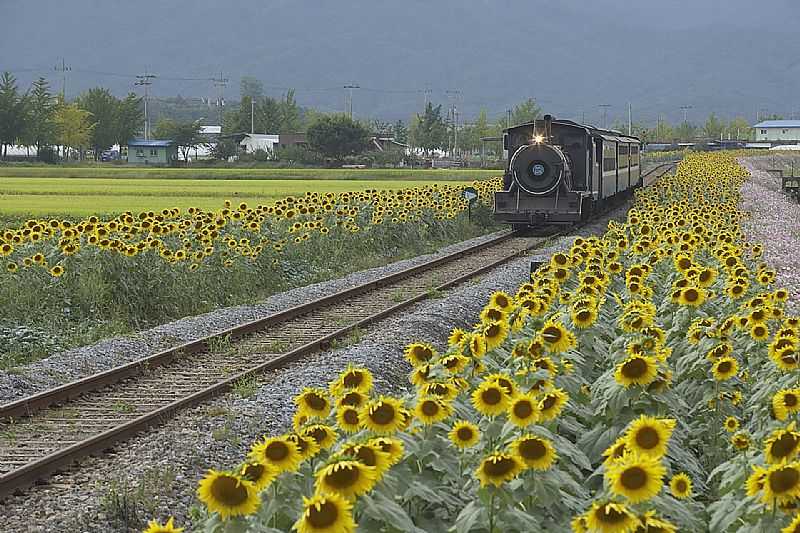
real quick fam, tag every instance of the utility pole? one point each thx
(426, 95)
(583, 117)
(630, 119)
(508, 118)
(63, 69)
(146, 80)
(455, 94)
(220, 84)
(604, 107)
(685, 109)
(252, 115)
(350, 88)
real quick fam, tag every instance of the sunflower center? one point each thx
(634, 478)
(548, 402)
(367, 456)
(552, 334)
(492, 396)
(635, 368)
(724, 367)
(523, 409)
(492, 331)
(498, 467)
(350, 416)
(343, 477)
(430, 408)
(647, 438)
(501, 300)
(383, 414)
(680, 486)
(789, 400)
(254, 471)
(228, 491)
(783, 480)
(583, 315)
(422, 353)
(352, 398)
(438, 389)
(532, 449)
(609, 515)
(759, 331)
(353, 379)
(464, 434)
(316, 402)
(323, 515)
(784, 445)
(506, 384)
(276, 451)
(317, 433)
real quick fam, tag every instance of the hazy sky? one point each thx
(731, 57)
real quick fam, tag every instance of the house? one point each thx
(778, 131)
(383, 143)
(251, 142)
(152, 152)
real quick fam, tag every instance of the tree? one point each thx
(250, 87)
(290, 114)
(73, 126)
(739, 128)
(400, 132)
(686, 131)
(103, 107)
(525, 112)
(185, 134)
(129, 118)
(40, 129)
(13, 110)
(337, 136)
(428, 131)
(713, 127)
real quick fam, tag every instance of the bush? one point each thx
(47, 154)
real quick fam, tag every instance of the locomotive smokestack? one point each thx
(548, 127)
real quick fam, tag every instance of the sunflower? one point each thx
(648, 435)
(325, 436)
(279, 452)
(227, 494)
(731, 424)
(420, 375)
(346, 478)
(153, 526)
(651, 523)
(724, 368)
(353, 379)
(490, 398)
(692, 296)
(741, 441)
(578, 525)
(759, 332)
(431, 410)
(259, 473)
(383, 416)
(498, 468)
(523, 410)
(457, 337)
(681, 486)
(636, 370)
(636, 477)
(368, 455)
(616, 451)
(347, 419)
(782, 445)
(781, 483)
(313, 402)
(306, 445)
(477, 345)
(786, 402)
(535, 452)
(556, 337)
(755, 482)
(419, 353)
(611, 517)
(551, 404)
(583, 317)
(501, 300)
(464, 434)
(454, 363)
(495, 333)
(351, 398)
(394, 448)
(326, 513)
(444, 391)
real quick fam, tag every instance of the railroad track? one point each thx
(49, 431)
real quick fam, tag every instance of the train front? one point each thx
(539, 177)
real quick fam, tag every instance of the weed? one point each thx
(434, 294)
(128, 505)
(278, 346)
(246, 386)
(122, 407)
(217, 410)
(226, 434)
(398, 296)
(354, 336)
(219, 344)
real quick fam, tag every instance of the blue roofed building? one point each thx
(778, 131)
(152, 152)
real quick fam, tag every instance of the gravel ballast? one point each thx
(169, 460)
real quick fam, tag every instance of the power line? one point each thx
(605, 108)
(349, 87)
(146, 80)
(63, 68)
(220, 84)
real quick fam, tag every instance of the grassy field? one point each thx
(85, 196)
(116, 172)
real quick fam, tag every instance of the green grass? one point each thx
(79, 197)
(117, 172)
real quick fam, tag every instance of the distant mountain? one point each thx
(733, 58)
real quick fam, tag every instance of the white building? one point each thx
(778, 130)
(258, 141)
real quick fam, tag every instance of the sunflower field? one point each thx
(643, 381)
(126, 272)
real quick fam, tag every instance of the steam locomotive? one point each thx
(560, 172)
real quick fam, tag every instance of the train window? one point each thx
(623, 156)
(609, 156)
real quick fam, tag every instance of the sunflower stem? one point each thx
(491, 512)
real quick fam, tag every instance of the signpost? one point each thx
(471, 196)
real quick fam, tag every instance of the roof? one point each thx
(210, 130)
(152, 143)
(778, 124)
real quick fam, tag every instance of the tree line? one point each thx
(40, 119)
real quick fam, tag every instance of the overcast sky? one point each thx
(731, 57)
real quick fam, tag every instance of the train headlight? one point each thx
(539, 138)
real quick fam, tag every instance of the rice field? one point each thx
(80, 197)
